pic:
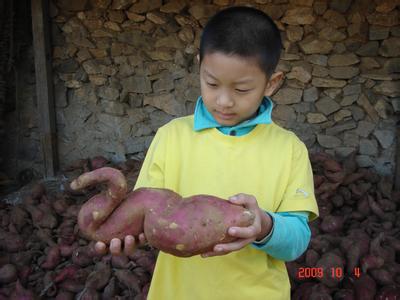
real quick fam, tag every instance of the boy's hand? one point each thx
(245, 235)
(130, 244)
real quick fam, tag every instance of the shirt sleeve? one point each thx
(289, 236)
(152, 171)
(299, 192)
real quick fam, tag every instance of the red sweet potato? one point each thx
(8, 273)
(67, 250)
(98, 162)
(371, 262)
(71, 285)
(60, 205)
(320, 244)
(49, 288)
(375, 207)
(382, 276)
(320, 292)
(98, 279)
(363, 206)
(72, 211)
(146, 288)
(365, 287)
(312, 257)
(328, 261)
(66, 232)
(362, 239)
(332, 223)
(120, 261)
(353, 257)
(128, 279)
(42, 215)
(53, 258)
(110, 290)
(144, 259)
(352, 177)
(88, 294)
(45, 235)
(344, 294)
(64, 295)
(303, 291)
(22, 293)
(389, 292)
(67, 272)
(82, 256)
(393, 242)
(387, 253)
(142, 275)
(22, 258)
(19, 217)
(11, 242)
(23, 273)
(176, 225)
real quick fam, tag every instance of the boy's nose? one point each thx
(224, 100)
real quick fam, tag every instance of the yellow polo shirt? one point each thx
(269, 163)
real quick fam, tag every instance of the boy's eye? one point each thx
(242, 91)
(211, 84)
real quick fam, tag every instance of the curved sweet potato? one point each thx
(179, 226)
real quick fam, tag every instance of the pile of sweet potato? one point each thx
(353, 254)
(44, 256)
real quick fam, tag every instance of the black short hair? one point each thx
(246, 32)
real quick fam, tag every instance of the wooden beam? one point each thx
(397, 158)
(44, 85)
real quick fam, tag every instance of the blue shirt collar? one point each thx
(203, 119)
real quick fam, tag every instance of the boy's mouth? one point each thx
(225, 116)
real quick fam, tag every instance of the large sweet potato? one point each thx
(176, 225)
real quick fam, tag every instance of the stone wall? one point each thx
(123, 68)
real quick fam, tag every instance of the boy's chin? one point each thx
(229, 123)
(232, 121)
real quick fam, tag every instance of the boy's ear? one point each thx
(198, 58)
(274, 83)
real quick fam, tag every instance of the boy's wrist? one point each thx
(266, 226)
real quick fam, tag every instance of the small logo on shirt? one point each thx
(301, 191)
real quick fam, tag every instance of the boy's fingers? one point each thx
(244, 200)
(100, 248)
(222, 249)
(234, 246)
(212, 253)
(237, 199)
(142, 239)
(115, 246)
(243, 232)
(129, 245)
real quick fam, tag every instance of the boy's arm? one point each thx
(289, 236)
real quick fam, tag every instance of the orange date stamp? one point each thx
(319, 272)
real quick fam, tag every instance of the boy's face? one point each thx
(233, 87)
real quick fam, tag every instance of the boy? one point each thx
(230, 148)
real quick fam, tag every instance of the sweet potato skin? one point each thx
(193, 225)
(180, 226)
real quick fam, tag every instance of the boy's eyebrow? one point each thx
(245, 80)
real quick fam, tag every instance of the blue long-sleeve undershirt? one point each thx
(289, 236)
